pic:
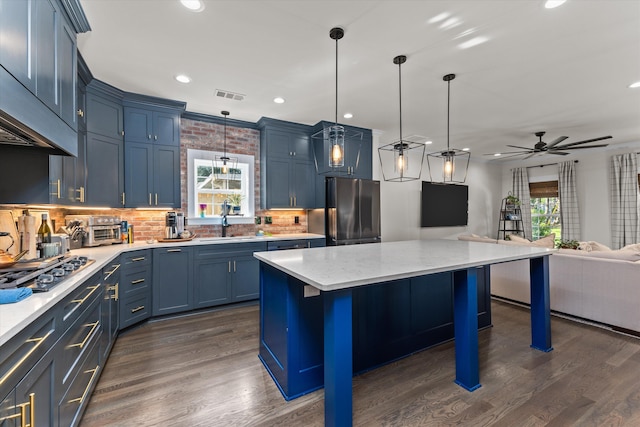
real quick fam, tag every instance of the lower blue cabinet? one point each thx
(172, 281)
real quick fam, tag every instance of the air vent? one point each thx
(229, 95)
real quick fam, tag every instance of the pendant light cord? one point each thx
(336, 122)
(448, 107)
(400, 97)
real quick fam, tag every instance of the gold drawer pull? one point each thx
(115, 290)
(38, 342)
(81, 301)
(93, 373)
(138, 259)
(141, 307)
(23, 412)
(109, 273)
(84, 341)
(135, 282)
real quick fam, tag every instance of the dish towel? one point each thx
(8, 296)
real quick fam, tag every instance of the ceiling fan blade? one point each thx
(517, 146)
(529, 156)
(562, 153)
(584, 142)
(556, 141)
(586, 146)
(508, 152)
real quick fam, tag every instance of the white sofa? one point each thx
(600, 286)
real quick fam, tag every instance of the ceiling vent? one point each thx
(229, 95)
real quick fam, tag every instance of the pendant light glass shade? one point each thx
(401, 160)
(225, 167)
(330, 148)
(451, 164)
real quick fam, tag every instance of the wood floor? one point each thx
(203, 370)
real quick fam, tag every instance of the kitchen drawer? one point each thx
(137, 258)
(135, 280)
(135, 309)
(77, 302)
(23, 351)
(76, 398)
(83, 334)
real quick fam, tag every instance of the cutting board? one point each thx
(8, 223)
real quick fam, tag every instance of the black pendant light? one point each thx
(453, 163)
(401, 160)
(225, 167)
(330, 150)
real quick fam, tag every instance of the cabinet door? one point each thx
(138, 173)
(110, 309)
(301, 147)
(45, 65)
(81, 104)
(105, 166)
(172, 287)
(66, 73)
(104, 116)
(138, 124)
(166, 176)
(8, 409)
(212, 284)
(36, 389)
(304, 189)
(17, 24)
(278, 143)
(245, 278)
(166, 128)
(56, 179)
(279, 178)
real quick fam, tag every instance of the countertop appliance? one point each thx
(42, 275)
(98, 229)
(352, 211)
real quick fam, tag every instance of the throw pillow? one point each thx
(593, 246)
(519, 239)
(632, 247)
(625, 255)
(546, 241)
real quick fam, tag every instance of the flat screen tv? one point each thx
(444, 205)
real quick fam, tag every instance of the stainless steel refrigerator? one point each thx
(352, 211)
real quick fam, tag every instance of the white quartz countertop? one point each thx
(15, 317)
(339, 267)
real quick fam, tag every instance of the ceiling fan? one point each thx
(553, 147)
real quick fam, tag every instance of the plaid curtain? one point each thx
(521, 191)
(624, 200)
(568, 194)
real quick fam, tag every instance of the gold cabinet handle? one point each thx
(149, 136)
(229, 266)
(155, 137)
(80, 113)
(15, 367)
(138, 308)
(57, 191)
(174, 250)
(93, 373)
(295, 201)
(123, 199)
(156, 199)
(149, 199)
(81, 301)
(234, 266)
(23, 412)
(121, 133)
(80, 197)
(138, 259)
(114, 288)
(84, 341)
(135, 282)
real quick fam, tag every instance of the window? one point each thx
(545, 209)
(208, 188)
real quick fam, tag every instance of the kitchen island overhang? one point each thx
(313, 339)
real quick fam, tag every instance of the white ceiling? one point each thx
(565, 70)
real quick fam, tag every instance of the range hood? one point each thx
(14, 133)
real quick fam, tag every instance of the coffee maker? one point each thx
(171, 229)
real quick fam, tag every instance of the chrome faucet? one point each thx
(225, 221)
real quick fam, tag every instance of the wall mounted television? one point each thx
(444, 205)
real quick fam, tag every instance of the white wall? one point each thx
(592, 172)
(400, 203)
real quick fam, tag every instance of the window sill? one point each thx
(232, 219)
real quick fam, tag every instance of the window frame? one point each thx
(544, 190)
(192, 208)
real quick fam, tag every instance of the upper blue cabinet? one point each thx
(38, 67)
(152, 120)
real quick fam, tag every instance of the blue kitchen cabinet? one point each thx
(288, 176)
(105, 171)
(172, 280)
(152, 124)
(105, 113)
(110, 308)
(135, 287)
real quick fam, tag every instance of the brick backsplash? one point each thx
(149, 224)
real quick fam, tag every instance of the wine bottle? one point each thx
(44, 235)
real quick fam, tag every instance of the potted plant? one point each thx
(235, 200)
(512, 201)
(567, 244)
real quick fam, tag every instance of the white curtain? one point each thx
(568, 194)
(521, 191)
(624, 200)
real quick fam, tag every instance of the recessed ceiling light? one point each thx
(634, 85)
(193, 5)
(348, 115)
(450, 23)
(466, 149)
(438, 18)
(428, 142)
(183, 78)
(278, 100)
(472, 42)
(550, 4)
(497, 155)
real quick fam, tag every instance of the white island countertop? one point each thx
(339, 267)
(15, 317)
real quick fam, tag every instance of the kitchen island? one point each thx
(308, 304)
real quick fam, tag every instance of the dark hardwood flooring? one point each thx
(203, 370)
